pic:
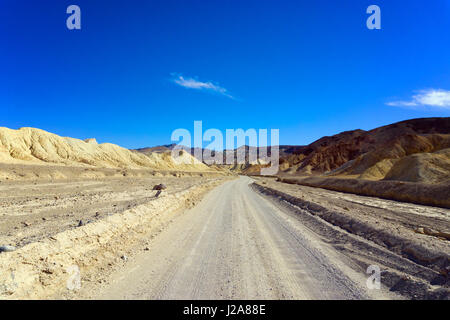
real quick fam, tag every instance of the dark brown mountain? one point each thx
(373, 154)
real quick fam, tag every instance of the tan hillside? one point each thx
(422, 167)
(35, 146)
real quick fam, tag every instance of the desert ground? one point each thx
(32, 211)
(242, 243)
(82, 220)
(236, 238)
(95, 224)
(236, 245)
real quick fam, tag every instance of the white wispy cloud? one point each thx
(437, 98)
(192, 83)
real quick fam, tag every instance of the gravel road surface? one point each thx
(235, 244)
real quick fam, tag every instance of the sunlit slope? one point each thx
(35, 146)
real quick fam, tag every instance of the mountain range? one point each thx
(416, 150)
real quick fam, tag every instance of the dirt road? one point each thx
(236, 245)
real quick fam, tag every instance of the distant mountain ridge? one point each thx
(410, 150)
(158, 149)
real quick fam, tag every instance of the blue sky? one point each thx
(137, 70)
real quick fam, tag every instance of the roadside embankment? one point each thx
(373, 231)
(414, 263)
(420, 193)
(49, 268)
